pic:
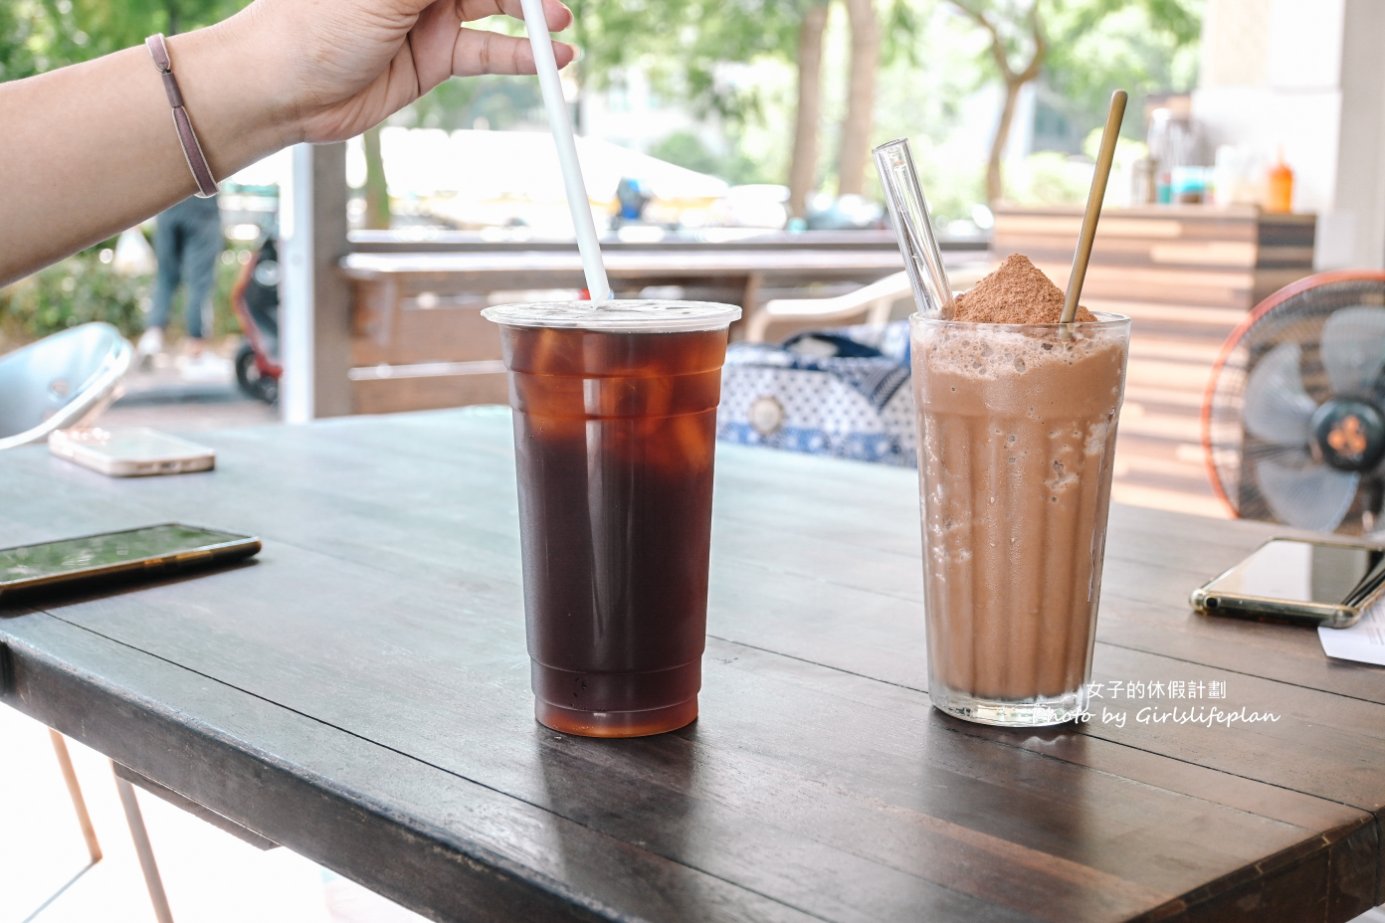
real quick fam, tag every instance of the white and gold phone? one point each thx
(1304, 582)
(133, 452)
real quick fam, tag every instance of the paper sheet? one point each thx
(1363, 642)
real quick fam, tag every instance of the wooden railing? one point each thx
(418, 339)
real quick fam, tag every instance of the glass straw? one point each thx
(560, 125)
(913, 230)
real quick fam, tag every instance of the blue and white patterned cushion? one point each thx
(844, 392)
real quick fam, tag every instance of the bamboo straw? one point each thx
(1095, 195)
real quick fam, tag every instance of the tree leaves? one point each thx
(40, 35)
(1146, 46)
(1082, 49)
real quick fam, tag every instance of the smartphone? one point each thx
(151, 550)
(134, 452)
(1304, 582)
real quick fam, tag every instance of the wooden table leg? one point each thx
(750, 303)
(79, 804)
(142, 848)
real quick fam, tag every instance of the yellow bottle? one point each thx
(1279, 192)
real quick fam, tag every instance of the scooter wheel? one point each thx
(251, 380)
(267, 389)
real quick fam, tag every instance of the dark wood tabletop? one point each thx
(360, 694)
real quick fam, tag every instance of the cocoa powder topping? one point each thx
(1015, 293)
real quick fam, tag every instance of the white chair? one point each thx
(60, 381)
(874, 302)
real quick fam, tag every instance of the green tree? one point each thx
(1145, 47)
(377, 191)
(696, 38)
(40, 35)
(687, 150)
(1081, 47)
(807, 126)
(879, 33)
(925, 94)
(1017, 46)
(24, 37)
(84, 29)
(855, 137)
(685, 52)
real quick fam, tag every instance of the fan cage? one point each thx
(1295, 313)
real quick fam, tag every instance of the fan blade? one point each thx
(1308, 497)
(1353, 348)
(1277, 408)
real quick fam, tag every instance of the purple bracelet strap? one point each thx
(192, 148)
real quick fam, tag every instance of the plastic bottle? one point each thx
(1279, 192)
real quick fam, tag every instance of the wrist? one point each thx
(267, 46)
(229, 91)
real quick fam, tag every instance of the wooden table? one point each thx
(360, 694)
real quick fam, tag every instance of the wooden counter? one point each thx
(1186, 275)
(1181, 255)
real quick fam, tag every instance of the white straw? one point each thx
(560, 124)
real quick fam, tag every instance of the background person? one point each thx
(187, 241)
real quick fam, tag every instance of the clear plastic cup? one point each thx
(615, 435)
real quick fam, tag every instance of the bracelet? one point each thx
(192, 148)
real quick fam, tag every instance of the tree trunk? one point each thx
(995, 179)
(860, 97)
(803, 164)
(377, 193)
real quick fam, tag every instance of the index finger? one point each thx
(556, 16)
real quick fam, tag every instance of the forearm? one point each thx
(89, 150)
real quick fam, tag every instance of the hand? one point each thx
(351, 63)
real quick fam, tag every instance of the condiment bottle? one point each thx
(1279, 196)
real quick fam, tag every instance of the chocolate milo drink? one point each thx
(1017, 432)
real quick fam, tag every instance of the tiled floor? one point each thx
(209, 876)
(160, 396)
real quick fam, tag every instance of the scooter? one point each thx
(255, 299)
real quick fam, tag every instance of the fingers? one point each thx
(481, 52)
(557, 16)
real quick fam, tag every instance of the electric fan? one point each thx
(1293, 421)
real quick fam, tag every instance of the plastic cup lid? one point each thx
(651, 316)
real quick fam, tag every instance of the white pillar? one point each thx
(1306, 77)
(315, 302)
(1360, 192)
